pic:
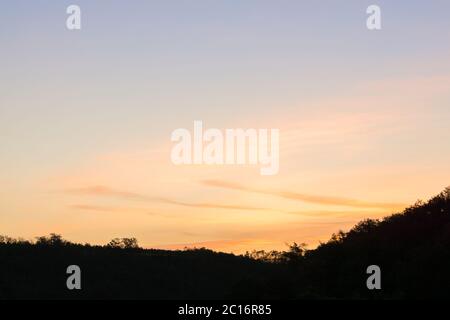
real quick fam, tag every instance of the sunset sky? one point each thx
(86, 117)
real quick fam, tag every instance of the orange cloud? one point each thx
(106, 191)
(355, 215)
(110, 192)
(85, 207)
(215, 206)
(323, 200)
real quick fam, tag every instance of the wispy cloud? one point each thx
(317, 199)
(108, 192)
(86, 207)
(341, 214)
(215, 206)
(104, 191)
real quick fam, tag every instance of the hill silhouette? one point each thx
(412, 249)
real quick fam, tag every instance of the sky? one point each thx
(86, 117)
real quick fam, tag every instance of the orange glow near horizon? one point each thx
(140, 193)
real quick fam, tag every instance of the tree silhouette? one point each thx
(124, 243)
(412, 249)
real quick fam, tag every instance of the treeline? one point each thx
(411, 248)
(56, 240)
